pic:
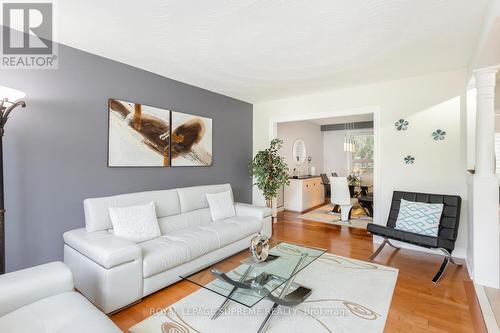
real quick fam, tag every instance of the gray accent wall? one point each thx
(55, 150)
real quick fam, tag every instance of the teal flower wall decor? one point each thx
(438, 135)
(409, 159)
(401, 125)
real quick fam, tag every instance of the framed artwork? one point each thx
(191, 140)
(146, 136)
(138, 135)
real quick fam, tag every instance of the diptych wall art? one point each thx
(138, 135)
(145, 136)
(191, 140)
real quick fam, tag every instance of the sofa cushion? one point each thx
(135, 223)
(221, 205)
(172, 223)
(404, 236)
(180, 246)
(29, 285)
(230, 232)
(67, 312)
(193, 198)
(409, 237)
(198, 217)
(162, 254)
(193, 218)
(198, 240)
(247, 224)
(97, 214)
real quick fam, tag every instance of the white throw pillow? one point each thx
(419, 217)
(221, 205)
(135, 223)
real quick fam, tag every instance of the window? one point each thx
(362, 156)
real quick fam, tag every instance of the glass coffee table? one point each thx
(242, 280)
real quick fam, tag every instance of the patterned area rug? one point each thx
(323, 214)
(348, 296)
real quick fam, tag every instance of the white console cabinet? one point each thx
(304, 193)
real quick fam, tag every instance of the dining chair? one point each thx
(340, 196)
(326, 184)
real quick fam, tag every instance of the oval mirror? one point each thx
(299, 151)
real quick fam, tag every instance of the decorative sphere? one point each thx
(259, 247)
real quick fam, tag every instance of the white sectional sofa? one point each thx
(43, 299)
(113, 272)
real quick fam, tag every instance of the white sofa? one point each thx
(113, 272)
(43, 299)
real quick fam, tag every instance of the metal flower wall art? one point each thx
(141, 135)
(439, 135)
(402, 125)
(409, 159)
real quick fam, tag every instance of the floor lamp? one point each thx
(11, 99)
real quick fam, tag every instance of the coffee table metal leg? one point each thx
(265, 323)
(282, 296)
(284, 291)
(223, 306)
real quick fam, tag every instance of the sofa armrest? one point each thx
(27, 286)
(102, 247)
(252, 211)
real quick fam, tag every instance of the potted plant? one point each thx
(270, 172)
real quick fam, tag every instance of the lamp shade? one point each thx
(11, 94)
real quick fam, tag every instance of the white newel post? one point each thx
(486, 243)
(485, 122)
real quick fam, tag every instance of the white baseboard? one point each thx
(469, 268)
(487, 311)
(457, 253)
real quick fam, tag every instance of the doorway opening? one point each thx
(319, 147)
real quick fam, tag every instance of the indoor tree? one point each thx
(270, 171)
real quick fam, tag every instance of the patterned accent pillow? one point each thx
(135, 223)
(419, 217)
(221, 205)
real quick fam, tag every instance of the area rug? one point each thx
(348, 296)
(323, 214)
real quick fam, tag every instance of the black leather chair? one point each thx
(448, 226)
(326, 184)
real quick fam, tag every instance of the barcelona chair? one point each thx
(448, 227)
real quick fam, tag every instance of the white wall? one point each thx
(428, 103)
(312, 136)
(335, 158)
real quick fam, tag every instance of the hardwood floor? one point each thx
(417, 304)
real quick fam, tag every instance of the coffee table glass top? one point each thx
(265, 278)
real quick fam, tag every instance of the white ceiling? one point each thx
(258, 50)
